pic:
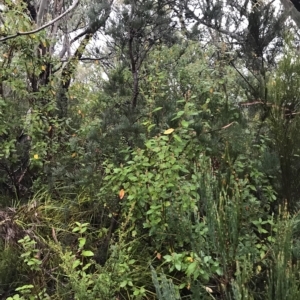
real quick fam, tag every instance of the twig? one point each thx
(221, 128)
(245, 79)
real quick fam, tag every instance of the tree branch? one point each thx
(209, 25)
(75, 3)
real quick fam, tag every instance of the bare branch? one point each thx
(75, 3)
(89, 58)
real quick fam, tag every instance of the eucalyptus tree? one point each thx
(255, 36)
(251, 32)
(41, 45)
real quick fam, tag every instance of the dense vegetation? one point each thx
(149, 149)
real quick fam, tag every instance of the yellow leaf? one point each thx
(36, 156)
(43, 68)
(209, 290)
(211, 90)
(168, 131)
(121, 194)
(79, 112)
(258, 269)
(74, 154)
(158, 255)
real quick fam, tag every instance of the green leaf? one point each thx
(191, 268)
(219, 271)
(156, 109)
(85, 267)
(184, 124)
(177, 138)
(25, 287)
(75, 264)
(82, 242)
(87, 253)
(150, 127)
(168, 258)
(178, 265)
(123, 283)
(207, 259)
